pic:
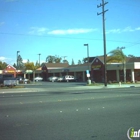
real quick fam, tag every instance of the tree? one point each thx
(15, 65)
(31, 66)
(72, 63)
(65, 61)
(37, 64)
(131, 56)
(20, 64)
(85, 60)
(3, 65)
(79, 62)
(53, 59)
(57, 59)
(50, 59)
(117, 55)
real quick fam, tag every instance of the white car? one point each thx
(59, 79)
(38, 79)
(67, 78)
(52, 78)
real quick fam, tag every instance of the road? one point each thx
(101, 114)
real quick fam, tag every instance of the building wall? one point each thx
(97, 71)
(10, 70)
(111, 75)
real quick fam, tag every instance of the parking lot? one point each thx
(44, 84)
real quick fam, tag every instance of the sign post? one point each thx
(88, 75)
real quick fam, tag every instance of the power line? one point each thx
(67, 37)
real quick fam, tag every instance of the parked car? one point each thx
(52, 78)
(26, 81)
(67, 78)
(60, 79)
(38, 78)
(19, 78)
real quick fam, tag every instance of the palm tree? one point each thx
(117, 55)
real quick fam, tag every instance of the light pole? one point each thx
(17, 58)
(88, 58)
(39, 58)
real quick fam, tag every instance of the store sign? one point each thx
(29, 71)
(96, 67)
(87, 72)
(88, 75)
(9, 71)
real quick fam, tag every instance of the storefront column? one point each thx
(132, 75)
(83, 75)
(118, 75)
(75, 74)
(60, 74)
(24, 75)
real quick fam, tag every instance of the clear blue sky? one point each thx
(61, 27)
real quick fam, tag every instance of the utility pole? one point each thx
(104, 37)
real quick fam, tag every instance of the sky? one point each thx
(62, 27)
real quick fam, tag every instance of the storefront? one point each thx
(10, 70)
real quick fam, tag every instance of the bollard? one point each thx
(120, 84)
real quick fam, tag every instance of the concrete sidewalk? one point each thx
(83, 87)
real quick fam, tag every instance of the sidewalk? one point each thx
(82, 87)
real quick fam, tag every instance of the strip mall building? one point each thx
(96, 68)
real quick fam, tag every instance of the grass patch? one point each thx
(14, 87)
(95, 84)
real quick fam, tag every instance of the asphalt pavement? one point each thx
(102, 114)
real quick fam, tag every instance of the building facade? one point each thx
(115, 71)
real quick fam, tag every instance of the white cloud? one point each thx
(71, 31)
(126, 29)
(137, 29)
(2, 58)
(24, 60)
(9, 61)
(113, 31)
(38, 30)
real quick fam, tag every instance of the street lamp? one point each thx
(39, 58)
(87, 54)
(88, 60)
(17, 58)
